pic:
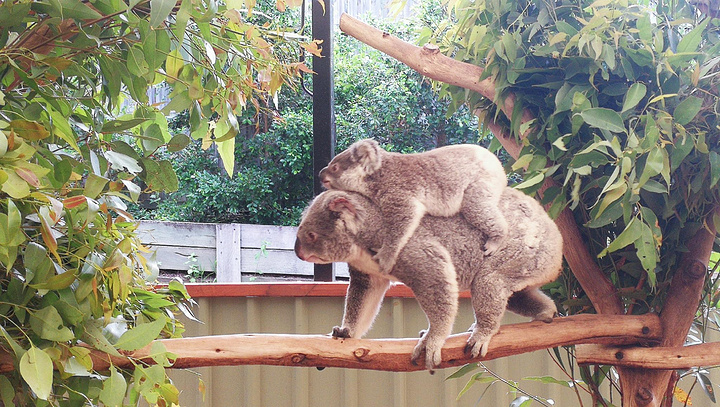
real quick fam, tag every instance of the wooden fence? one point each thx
(235, 252)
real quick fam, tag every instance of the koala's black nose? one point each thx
(297, 249)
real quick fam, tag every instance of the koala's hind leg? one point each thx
(533, 303)
(480, 207)
(489, 301)
(431, 277)
(362, 303)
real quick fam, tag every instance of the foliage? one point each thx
(73, 274)
(626, 98)
(625, 95)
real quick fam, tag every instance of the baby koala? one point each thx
(443, 256)
(465, 179)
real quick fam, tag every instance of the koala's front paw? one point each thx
(492, 245)
(339, 332)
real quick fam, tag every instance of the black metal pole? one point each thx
(323, 106)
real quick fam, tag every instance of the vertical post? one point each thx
(228, 237)
(323, 106)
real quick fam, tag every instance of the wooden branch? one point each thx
(392, 354)
(680, 357)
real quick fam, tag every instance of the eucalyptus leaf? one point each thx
(603, 118)
(36, 369)
(687, 110)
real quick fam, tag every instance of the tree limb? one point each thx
(382, 354)
(679, 357)
(394, 354)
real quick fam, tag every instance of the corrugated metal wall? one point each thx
(286, 386)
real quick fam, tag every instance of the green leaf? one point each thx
(93, 336)
(549, 380)
(603, 118)
(632, 232)
(48, 324)
(136, 63)
(687, 110)
(78, 10)
(140, 335)
(647, 252)
(114, 126)
(463, 371)
(160, 176)
(122, 162)
(691, 41)
(36, 368)
(654, 165)
(159, 10)
(94, 186)
(634, 95)
(152, 138)
(15, 186)
(114, 388)
(178, 142)
(56, 282)
(566, 28)
(714, 159)
(226, 149)
(7, 392)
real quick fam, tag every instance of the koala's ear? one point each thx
(367, 152)
(341, 205)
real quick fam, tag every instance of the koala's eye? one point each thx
(334, 168)
(312, 236)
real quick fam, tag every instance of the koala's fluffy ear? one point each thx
(342, 205)
(367, 153)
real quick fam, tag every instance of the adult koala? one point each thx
(444, 255)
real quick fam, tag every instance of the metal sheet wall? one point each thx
(285, 386)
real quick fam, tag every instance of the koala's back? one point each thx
(531, 253)
(445, 166)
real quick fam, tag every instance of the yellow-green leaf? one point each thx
(36, 368)
(140, 335)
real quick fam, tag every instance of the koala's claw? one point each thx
(477, 347)
(340, 332)
(433, 356)
(492, 245)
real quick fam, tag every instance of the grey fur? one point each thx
(465, 179)
(443, 256)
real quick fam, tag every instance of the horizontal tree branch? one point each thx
(384, 354)
(663, 358)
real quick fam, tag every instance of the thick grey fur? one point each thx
(444, 255)
(464, 178)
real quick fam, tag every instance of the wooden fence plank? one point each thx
(181, 234)
(229, 253)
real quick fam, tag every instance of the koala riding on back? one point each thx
(465, 179)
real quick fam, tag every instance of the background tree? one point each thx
(72, 274)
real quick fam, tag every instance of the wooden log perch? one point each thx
(392, 354)
(680, 357)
